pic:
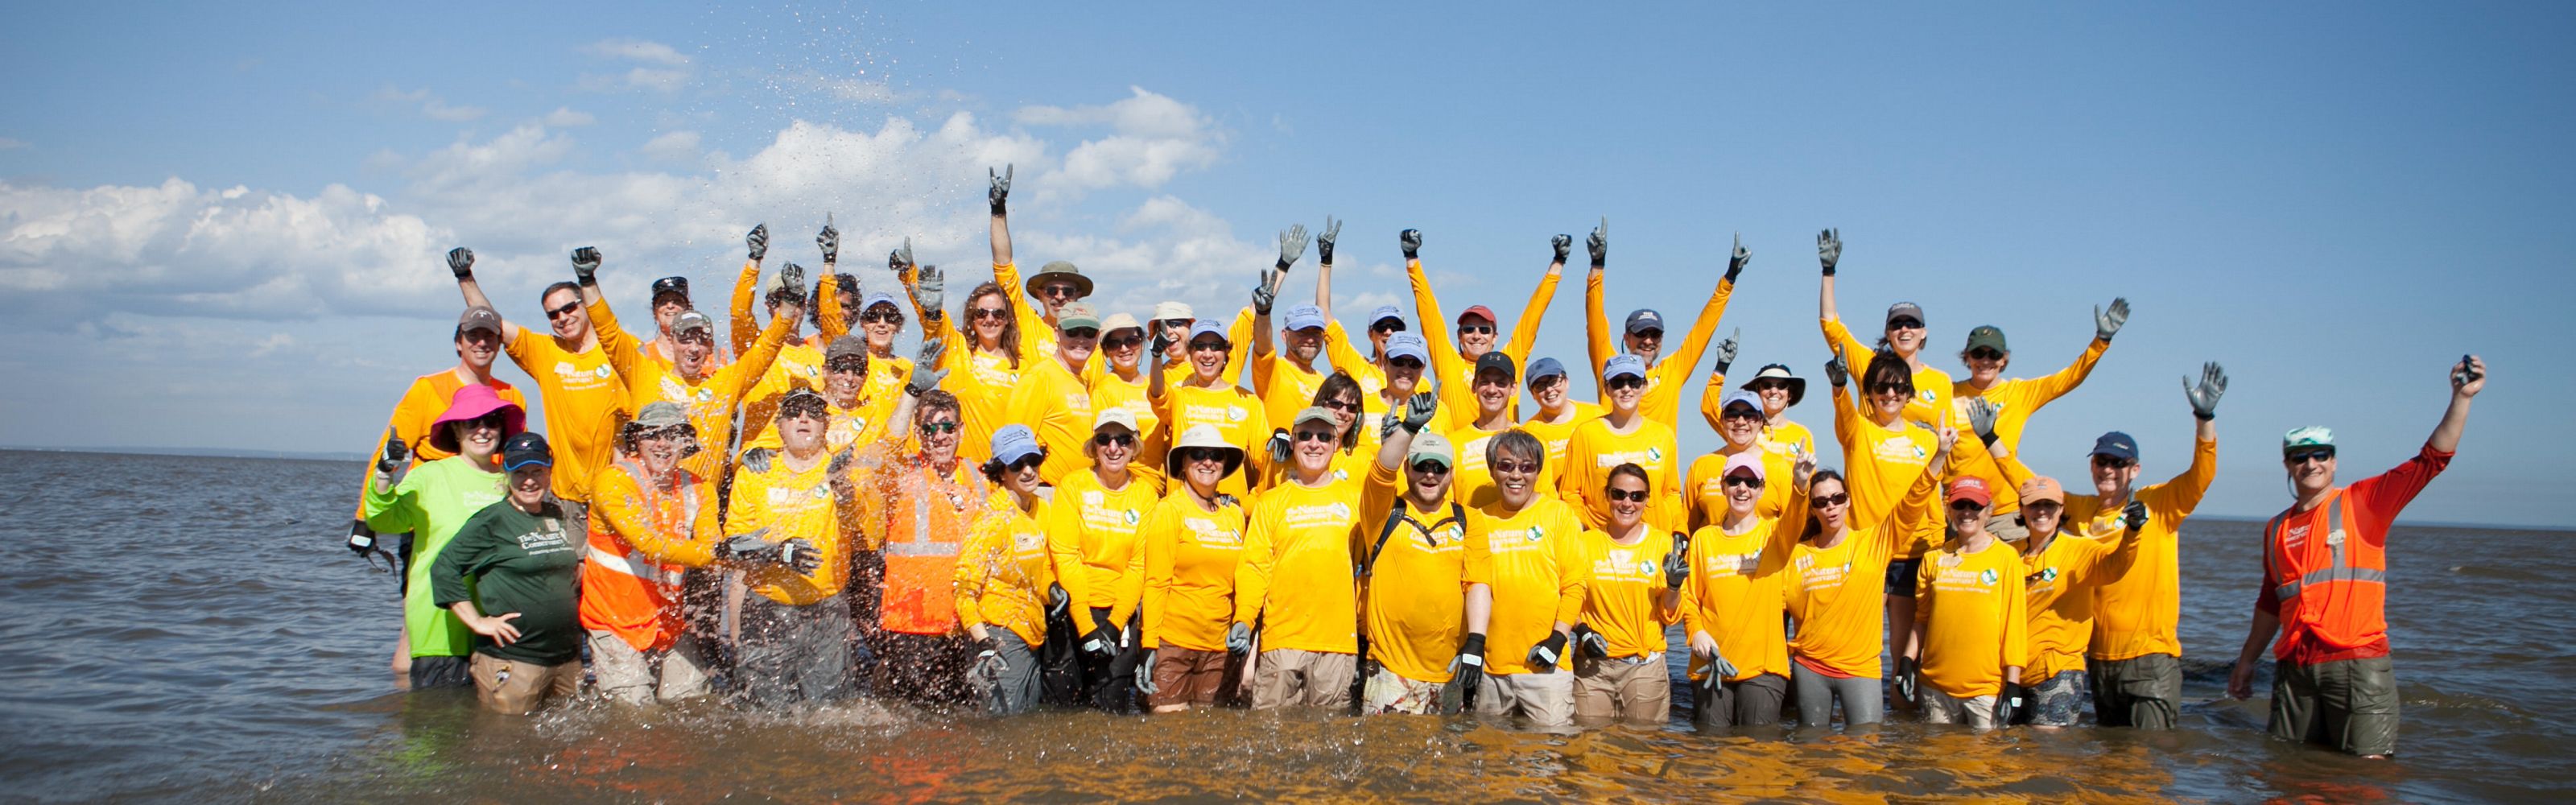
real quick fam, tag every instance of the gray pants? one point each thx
(2143, 692)
(1753, 702)
(1018, 689)
(2350, 705)
(792, 654)
(1862, 698)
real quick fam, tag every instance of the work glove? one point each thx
(1001, 190)
(585, 265)
(1736, 261)
(1103, 639)
(1292, 246)
(1981, 418)
(1145, 674)
(2134, 515)
(830, 240)
(1599, 243)
(1564, 245)
(930, 287)
(396, 456)
(1238, 638)
(1324, 241)
(2107, 323)
(1829, 249)
(1466, 671)
(1677, 562)
(757, 460)
(1162, 345)
(1718, 666)
(792, 277)
(1905, 671)
(1265, 294)
(2014, 696)
(988, 666)
(926, 371)
(2204, 398)
(1547, 652)
(800, 555)
(1726, 350)
(2468, 372)
(1411, 240)
(1388, 423)
(362, 540)
(1590, 642)
(1279, 446)
(1059, 602)
(1418, 411)
(460, 260)
(1836, 371)
(756, 244)
(747, 549)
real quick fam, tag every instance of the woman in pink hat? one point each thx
(432, 501)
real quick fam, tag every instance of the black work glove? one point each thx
(1266, 294)
(1059, 602)
(1737, 260)
(1103, 639)
(1001, 190)
(1726, 350)
(1162, 345)
(1466, 671)
(1590, 642)
(747, 549)
(800, 555)
(362, 540)
(2134, 515)
(1599, 244)
(1837, 372)
(460, 260)
(585, 265)
(396, 456)
(1545, 655)
(1412, 242)
(1905, 672)
(1324, 240)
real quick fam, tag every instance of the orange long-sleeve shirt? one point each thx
(1454, 374)
(710, 400)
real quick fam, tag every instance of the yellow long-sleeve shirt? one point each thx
(799, 363)
(1835, 593)
(1114, 391)
(1187, 562)
(2017, 399)
(585, 404)
(710, 400)
(982, 381)
(1595, 449)
(1556, 435)
(1235, 414)
(1533, 560)
(1933, 406)
(1003, 572)
(795, 504)
(1704, 487)
(1788, 439)
(1671, 372)
(2136, 612)
(1623, 596)
(1347, 358)
(2061, 578)
(1295, 577)
(1054, 402)
(1453, 372)
(1881, 461)
(1471, 483)
(1417, 594)
(1737, 593)
(1971, 605)
(1092, 535)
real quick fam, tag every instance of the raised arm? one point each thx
(1324, 267)
(1596, 321)
(1397, 442)
(1525, 331)
(460, 261)
(1704, 328)
(998, 194)
(1829, 251)
(2468, 377)
(741, 328)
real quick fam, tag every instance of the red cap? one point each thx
(1480, 310)
(1971, 488)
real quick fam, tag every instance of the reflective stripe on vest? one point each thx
(2339, 567)
(634, 564)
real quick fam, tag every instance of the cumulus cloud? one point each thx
(660, 67)
(1152, 138)
(566, 117)
(432, 106)
(636, 50)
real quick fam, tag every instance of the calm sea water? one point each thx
(182, 628)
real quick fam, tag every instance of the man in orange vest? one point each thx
(915, 509)
(2324, 588)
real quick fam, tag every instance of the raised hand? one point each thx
(1599, 243)
(396, 456)
(1267, 293)
(926, 371)
(460, 260)
(830, 240)
(1411, 239)
(757, 243)
(1737, 260)
(930, 290)
(1001, 190)
(1981, 419)
(2107, 323)
(792, 278)
(1292, 246)
(1162, 345)
(1677, 562)
(1726, 349)
(2134, 515)
(2468, 377)
(1564, 245)
(757, 460)
(1418, 411)
(1838, 371)
(585, 264)
(2204, 397)
(1279, 446)
(1829, 249)
(1324, 242)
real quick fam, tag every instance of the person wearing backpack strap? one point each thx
(1413, 632)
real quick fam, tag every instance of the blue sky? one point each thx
(222, 224)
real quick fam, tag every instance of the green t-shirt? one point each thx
(432, 502)
(506, 560)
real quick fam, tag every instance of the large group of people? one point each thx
(1052, 505)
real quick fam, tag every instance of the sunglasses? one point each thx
(1891, 391)
(1617, 495)
(1967, 506)
(666, 432)
(1406, 363)
(492, 420)
(1432, 468)
(1739, 413)
(560, 312)
(847, 368)
(1475, 329)
(1835, 499)
(1649, 335)
(1344, 406)
(881, 316)
(1739, 480)
(1124, 342)
(1207, 346)
(1514, 466)
(1387, 327)
(1202, 457)
(1026, 463)
(1119, 439)
(1905, 323)
(2305, 456)
(941, 426)
(1082, 333)
(1768, 386)
(1626, 382)
(2114, 463)
(1984, 354)
(1314, 436)
(982, 313)
(1060, 289)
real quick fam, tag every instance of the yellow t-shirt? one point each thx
(1666, 379)
(1735, 593)
(1235, 414)
(2136, 613)
(1589, 457)
(794, 505)
(1417, 595)
(1003, 572)
(1704, 493)
(1970, 605)
(1053, 401)
(1187, 563)
(1623, 598)
(1295, 576)
(1091, 531)
(1881, 462)
(1533, 560)
(585, 405)
(1837, 593)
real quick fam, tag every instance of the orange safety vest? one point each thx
(626, 592)
(925, 520)
(2333, 588)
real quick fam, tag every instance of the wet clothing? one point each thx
(433, 502)
(2143, 691)
(1533, 559)
(1595, 449)
(2057, 701)
(2136, 613)
(1753, 701)
(1287, 677)
(585, 404)
(795, 504)
(1003, 574)
(1018, 688)
(1546, 698)
(1635, 689)
(1863, 697)
(1187, 563)
(2350, 705)
(710, 400)
(1195, 677)
(918, 518)
(1736, 592)
(1451, 369)
(511, 687)
(636, 676)
(1667, 377)
(1386, 693)
(506, 560)
(1834, 592)
(794, 653)
(1978, 712)
(643, 536)
(1295, 577)
(1971, 607)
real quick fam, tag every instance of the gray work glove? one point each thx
(830, 240)
(1981, 419)
(1324, 240)
(1718, 666)
(585, 265)
(747, 549)
(1737, 260)
(1238, 638)
(1829, 249)
(460, 260)
(757, 460)
(1599, 243)
(1418, 411)
(1145, 674)
(1411, 240)
(1001, 190)
(792, 278)
(2107, 323)
(926, 371)
(1280, 442)
(930, 286)
(757, 243)
(1387, 423)
(1292, 247)
(396, 456)
(1677, 562)
(1726, 350)
(988, 666)
(1836, 371)
(2204, 398)
(1564, 245)
(1589, 642)
(1267, 293)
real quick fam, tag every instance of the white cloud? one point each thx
(636, 50)
(564, 117)
(663, 69)
(432, 106)
(1153, 137)
(677, 146)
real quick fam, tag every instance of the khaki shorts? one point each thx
(1194, 678)
(1287, 676)
(1980, 712)
(1546, 698)
(1629, 688)
(2350, 705)
(640, 677)
(517, 688)
(1389, 693)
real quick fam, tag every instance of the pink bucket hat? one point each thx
(469, 404)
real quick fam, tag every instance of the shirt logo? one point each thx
(1655, 454)
(1645, 568)
(1987, 578)
(1131, 517)
(1092, 497)
(1536, 533)
(1234, 414)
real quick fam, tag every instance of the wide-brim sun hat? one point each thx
(1055, 270)
(1202, 437)
(470, 403)
(663, 414)
(1780, 372)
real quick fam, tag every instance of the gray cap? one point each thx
(849, 344)
(479, 317)
(692, 320)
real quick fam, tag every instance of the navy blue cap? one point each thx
(2116, 445)
(1643, 320)
(1544, 368)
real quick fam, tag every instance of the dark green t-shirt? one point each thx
(517, 562)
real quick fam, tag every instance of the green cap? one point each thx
(2310, 436)
(1076, 315)
(1987, 335)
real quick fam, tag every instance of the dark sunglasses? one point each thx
(1649, 335)
(1475, 329)
(983, 313)
(2114, 463)
(1119, 439)
(1624, 382)
(1195, 456)
(1430, 468)
(1905, 323)
(1617, 495)
(1405, 363)
(1984, 354)
(490, 420)
(1739, 413)
(886, 316)
(1026, 463)
(1514, 466)
(1739, 480)
(2305, 456)
(1890, 391)
(1314, 436)
(1208, 346)
(1344, 406)
(1836, 499)
(560, 312)
(1124, 342)
(1967, 506)
(1765, 386)
(1081, 333)
(1060, 289)
(942, 426)
(1387, 326)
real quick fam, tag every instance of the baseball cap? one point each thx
(1114, 415)
(1014, 442)
(1077, 315)
(1199, 327)
(2116, 445)
(1542, 369)
(1644, 319)
(692, 320)
(1741, 397)
(1407, 345)
(1905, 309)
(1384, 312)
(524, 448)
(1305, 317)
(1496, 361)
(478, 317)
(2041, 487)
(1172, 311)
(1429, 446)
(1748, 462)
(1478, 310)
(1988, 336)
(2310, 436)
(848, 345)
(1315, 413)
(671, 285)
(876, 298)
(1970, 488)
(1623, 364)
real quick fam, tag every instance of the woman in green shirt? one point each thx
(512, 575)
(432, 501)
